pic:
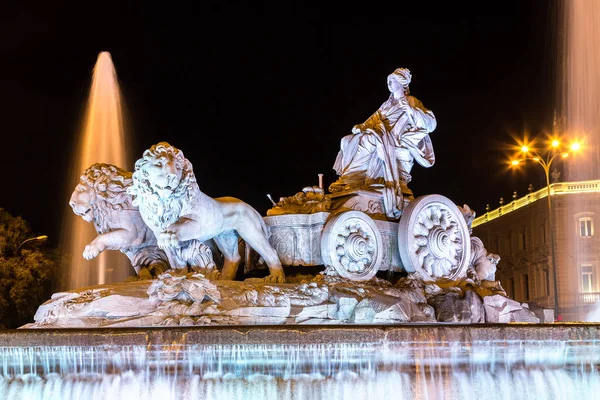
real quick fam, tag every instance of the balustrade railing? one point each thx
(588, 298)
(559, 188)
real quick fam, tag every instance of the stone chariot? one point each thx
(349, 233)
(371, 222)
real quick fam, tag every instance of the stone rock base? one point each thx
(194, 300)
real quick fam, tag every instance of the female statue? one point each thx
(381, 151)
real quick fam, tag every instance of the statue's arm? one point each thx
(423, 118)
(373, 123)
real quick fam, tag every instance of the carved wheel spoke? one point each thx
(433, 238)
(352, 244)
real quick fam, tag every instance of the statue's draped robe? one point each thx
(384, 147)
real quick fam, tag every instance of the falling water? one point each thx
(581, 86)
(426, 366)
(103, 139)
(580, 105)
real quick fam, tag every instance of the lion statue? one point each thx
(101, 198)
(172, 205)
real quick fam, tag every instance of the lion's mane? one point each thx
(109, 184)
(162, 212)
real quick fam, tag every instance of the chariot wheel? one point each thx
(352, 244)
(433, 238)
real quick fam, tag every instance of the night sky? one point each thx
(258, 95)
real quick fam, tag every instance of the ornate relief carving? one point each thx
(433, 238)
(352, 244)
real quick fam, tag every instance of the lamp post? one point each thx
(546, 161)
(42, 237)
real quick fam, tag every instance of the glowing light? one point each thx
(565, 155)
(525, 149)
(41, 238)
(555, 143)
(536, 159)
(515, 162)
(575, 146)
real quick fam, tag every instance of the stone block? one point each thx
(311, 312)
(364, 312)
(525, 315)
(258, 312)
(492, 314)
(345, 308)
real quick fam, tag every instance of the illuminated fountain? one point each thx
(437, 332)
(581, 86)
(103, 139)
(437, 362)
(580, 107)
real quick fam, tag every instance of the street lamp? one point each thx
(42, 237)
(545, 160)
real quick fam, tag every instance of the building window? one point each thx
(586, 227)
(544, 235)
(525, 286)
(588, 280)
(511, 287)
(521, 240)
(546, 281)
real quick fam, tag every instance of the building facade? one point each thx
(522, 233)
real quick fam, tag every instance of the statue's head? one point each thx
(81, 202)
(163, 181)
(162, 167)
(493, 258)
(163, 170)
(401, 77)
(101, 186)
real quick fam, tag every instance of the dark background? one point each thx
(258, 95)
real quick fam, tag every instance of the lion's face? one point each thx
(81, 202)
(163, 174)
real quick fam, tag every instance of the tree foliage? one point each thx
(26, 273)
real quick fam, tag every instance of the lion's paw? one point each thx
(167, 239)
(92, 250)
